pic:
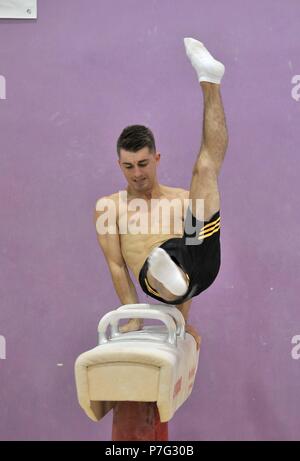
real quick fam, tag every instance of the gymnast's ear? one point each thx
(157, 157)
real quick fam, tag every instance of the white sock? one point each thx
(167, 272)
(207, 67)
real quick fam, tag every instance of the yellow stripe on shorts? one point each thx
(210, 229)
(149, 288)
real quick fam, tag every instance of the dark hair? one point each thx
(134, 138)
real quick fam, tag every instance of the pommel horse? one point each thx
(144, 375)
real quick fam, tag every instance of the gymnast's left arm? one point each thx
(184, 309)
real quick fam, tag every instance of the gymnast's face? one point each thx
(139, 168)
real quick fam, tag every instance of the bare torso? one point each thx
(135, 247)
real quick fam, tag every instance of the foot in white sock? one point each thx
(163, 268)
(207, 67)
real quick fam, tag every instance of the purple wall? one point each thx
(75, 78)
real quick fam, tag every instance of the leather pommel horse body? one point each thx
(145, 375)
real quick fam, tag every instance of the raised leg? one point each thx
(204, 184)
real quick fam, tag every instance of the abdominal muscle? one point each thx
(137, 247)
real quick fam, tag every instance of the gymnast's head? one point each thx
(138, 158)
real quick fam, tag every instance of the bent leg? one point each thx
(160, 288)
(204, 184)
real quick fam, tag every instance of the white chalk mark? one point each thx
(2, 348)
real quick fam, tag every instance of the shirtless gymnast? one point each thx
(166, 266)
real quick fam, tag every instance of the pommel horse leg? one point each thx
(138, 421)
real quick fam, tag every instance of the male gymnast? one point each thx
(167, 266)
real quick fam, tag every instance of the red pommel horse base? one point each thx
(138, 421)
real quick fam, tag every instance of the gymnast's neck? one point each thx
(156, 191)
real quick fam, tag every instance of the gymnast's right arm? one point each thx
(110, 245)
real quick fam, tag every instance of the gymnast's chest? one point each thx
(143, 223)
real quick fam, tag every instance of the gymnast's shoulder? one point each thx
(106, 204)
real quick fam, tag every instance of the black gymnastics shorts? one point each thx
(197, 252)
